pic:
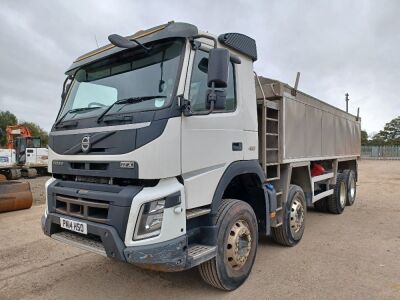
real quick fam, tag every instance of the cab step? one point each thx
(198, 254)
(197, 212)
(80, 241)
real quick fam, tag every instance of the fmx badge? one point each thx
(127, 164)
(85, 144)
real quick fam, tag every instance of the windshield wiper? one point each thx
(73, 111)
(130, 100)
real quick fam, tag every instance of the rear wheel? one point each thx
(351, 187)
(292, 228)
(337, 201)
(237, 246)
(321, 205)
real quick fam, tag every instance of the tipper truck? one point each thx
(169, 152)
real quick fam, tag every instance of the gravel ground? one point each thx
(37, 188)
(350, 256)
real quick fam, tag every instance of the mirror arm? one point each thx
(147, 49)
(186, 108)
(198, 36)
(189, 112)
(212, 97)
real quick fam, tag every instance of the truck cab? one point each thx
(154, 154)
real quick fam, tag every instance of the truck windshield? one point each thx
(132, 74)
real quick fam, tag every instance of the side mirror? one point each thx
(216, 67)
(65, 92)
(66, 86)
(218, 64)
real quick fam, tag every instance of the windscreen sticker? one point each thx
(159, 102)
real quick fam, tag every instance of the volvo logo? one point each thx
(85, 144)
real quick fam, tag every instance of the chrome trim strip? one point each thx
(101, 129)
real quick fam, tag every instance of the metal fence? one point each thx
(380, 152)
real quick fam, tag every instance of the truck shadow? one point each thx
(143, 283)
(102, 276)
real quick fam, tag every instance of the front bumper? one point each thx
(168, 256)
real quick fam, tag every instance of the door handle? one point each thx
(237, 146)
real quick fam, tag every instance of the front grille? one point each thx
(115, 181)
(89, 166)
(92, 179)
(90, 210)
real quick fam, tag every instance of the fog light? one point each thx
(149, 220)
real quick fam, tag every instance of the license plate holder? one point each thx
(76, 226)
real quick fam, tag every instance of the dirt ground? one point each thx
(37, 188)
(355, 255)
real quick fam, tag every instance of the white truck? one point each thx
(8, 166)
(31, 157)
(168, 152)
(7, 157)
(26, 160)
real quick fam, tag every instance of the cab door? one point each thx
(209, 142)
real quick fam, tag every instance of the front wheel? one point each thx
(237, 246)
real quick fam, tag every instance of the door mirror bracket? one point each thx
(187, 110)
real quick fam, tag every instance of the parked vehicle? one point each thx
(24, 154)
(168, 152)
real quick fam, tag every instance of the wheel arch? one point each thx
(243, 180)
(348, 165)
(301, 177)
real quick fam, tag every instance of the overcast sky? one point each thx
(338, 46)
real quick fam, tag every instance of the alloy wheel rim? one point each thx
(342, 194)
(296, 216)
(238, 245)
(352, 188)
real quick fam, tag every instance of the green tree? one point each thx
(390, 135)
(364, 137)
(6, 118)
(36, 130)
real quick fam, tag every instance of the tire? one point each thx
(351, 187)
(321, 205)
(337, 201)
(221, 271)
(294, 215)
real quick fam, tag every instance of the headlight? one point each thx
(149, 220)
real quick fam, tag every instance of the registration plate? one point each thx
(73, 225)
